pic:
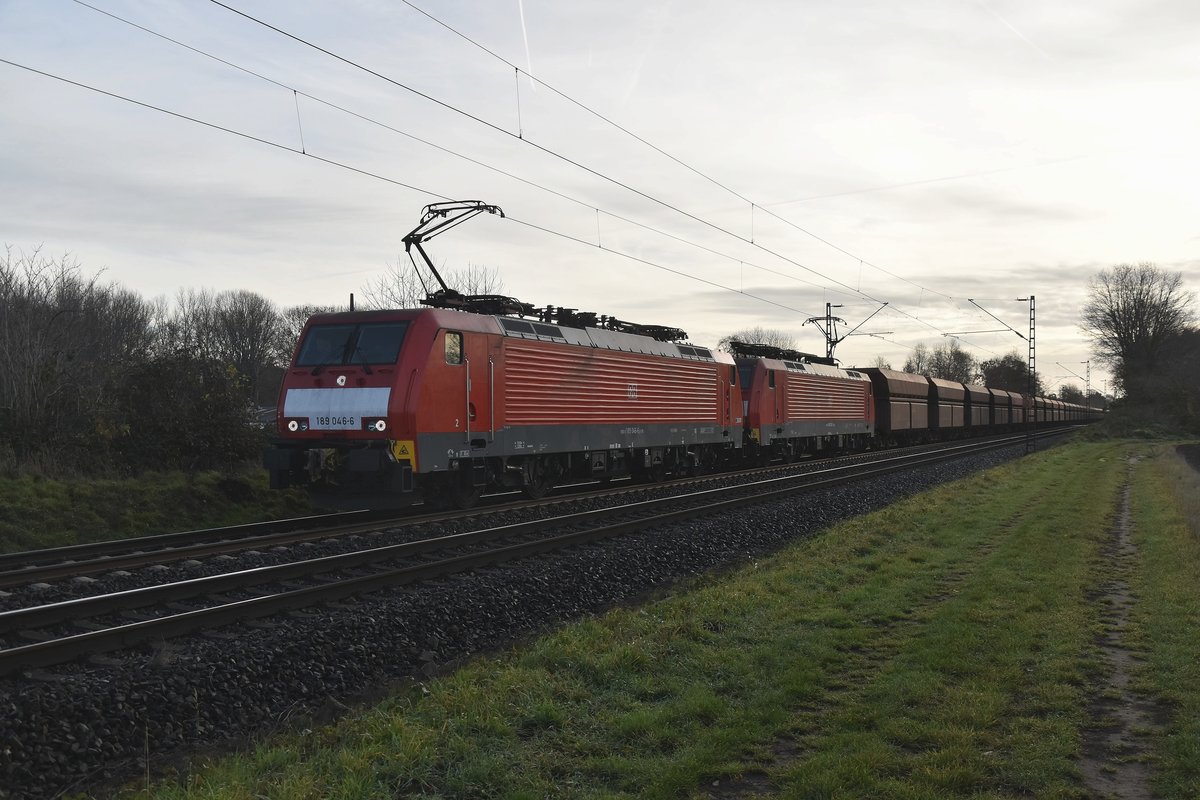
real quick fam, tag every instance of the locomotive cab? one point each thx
(340, 419)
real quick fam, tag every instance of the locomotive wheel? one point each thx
(448, 491)
(464, 497)
(538, 480)
(435, 497)
(654, 474)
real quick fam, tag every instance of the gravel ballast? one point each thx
(83, 726)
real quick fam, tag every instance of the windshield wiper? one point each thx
(363, 360)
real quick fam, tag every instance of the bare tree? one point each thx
(248, 333)
(918, 360)
(947, 361)
(950, 362)
(191, 326)
(65, 341)
(402, 287)
(1009, 372)
(881, 363)
(94, 377)
(1070, 393)
(1131, 312)
(759, 335)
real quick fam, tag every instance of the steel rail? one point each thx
(84, 607)
(49, 564)
(67, 648)
(10, 562)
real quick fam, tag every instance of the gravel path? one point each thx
(86, 726)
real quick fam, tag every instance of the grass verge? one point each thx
(939, 648)
(1166, 618)
(37, 512)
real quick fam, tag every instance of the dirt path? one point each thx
(1121, 721)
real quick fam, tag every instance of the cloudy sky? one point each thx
(798, 153)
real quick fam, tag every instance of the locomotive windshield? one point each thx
(362, 343)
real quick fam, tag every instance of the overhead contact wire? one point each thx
(541, 148)
(377, 176)
(222, 128)
(441, 148)
(489, 125)
(481, 121)
(662, 152)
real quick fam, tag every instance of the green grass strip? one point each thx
(985, 697)
(1166, 618)
(38, 512)
(938, 648)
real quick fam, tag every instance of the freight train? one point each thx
(477, 394)
(444, 405)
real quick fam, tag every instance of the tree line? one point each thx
(95, 378)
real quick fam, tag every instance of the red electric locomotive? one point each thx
(797, 405)
(450, 404)
(470, 395)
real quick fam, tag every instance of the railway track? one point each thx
(74, 561)
(54, 633)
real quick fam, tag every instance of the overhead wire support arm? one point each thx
(993, 316)
(864, 322)
(1071, 371)
(967, 333)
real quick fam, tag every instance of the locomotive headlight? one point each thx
(380, 425)
(293, 426)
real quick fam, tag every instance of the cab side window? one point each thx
(454, 347)
(771, 378)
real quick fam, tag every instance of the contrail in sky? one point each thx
(525, 33)
(1012, 28)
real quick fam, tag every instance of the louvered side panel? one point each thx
(815, 397)
(547, 385)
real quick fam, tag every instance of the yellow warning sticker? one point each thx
(403, 450)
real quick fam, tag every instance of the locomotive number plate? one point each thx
(343, 423)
